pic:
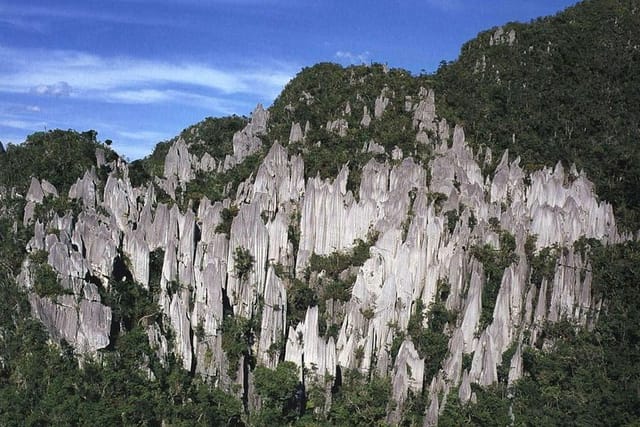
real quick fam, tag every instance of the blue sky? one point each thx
(140, 71)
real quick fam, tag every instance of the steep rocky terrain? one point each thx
(349, 236)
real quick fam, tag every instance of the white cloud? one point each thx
(142, 96)
(353, 58)
(144, 135)
(56, 89)
(133, 80)
(21, 23)
(220, 105)
(43, 18)
(27, 125)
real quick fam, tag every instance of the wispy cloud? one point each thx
(151, 96)
(18, 108)
(56, 89)
(131, 80)
(143, 135)
(38, 18)
(21, 23)
(21, 124)
(353, 58)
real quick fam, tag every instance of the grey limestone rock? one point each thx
(247, 141)
(499, 36)
(49, 189)
(305, 343)
(274, 315)
(407, 375)
(516, 365)
(85, 326)
(178, 162)
(78, 316)
(338, 126)
(373, 147)
(366, 118)
(120, 201)
(464, 392)
(431, 417)
(259, 119)
(424, 115)
(381, 104)
(347, 109)
(35, 193)
(248, 232)
(295, 135)
(100, 157)
(85, 189)
(397, 154)
(207, 163)
(423, 242)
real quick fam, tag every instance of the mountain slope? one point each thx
(563, 88)
(349, 256)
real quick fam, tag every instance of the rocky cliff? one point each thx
(480, 253)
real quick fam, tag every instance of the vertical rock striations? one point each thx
(442, 235)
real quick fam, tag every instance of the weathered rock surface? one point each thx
(425, 236)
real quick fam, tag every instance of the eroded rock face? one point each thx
(382, 102)
(427, 236)
(75, 313)
(247, 141)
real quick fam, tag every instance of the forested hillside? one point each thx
(562, 88)
(362, 252)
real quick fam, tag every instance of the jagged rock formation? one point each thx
(433, 222)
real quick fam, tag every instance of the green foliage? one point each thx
(156, 260)
(567, 89)
(212, 135)
(494, 263)
(280, 392)
(60, 157)
(543, 264)
(299, 297)
(130, 302)
(238, 334)
(414, 409)
(152, 165)
(584, 377)
(505, 364)
(452, 219)
(361, 401)
(293, 231)
(243, 262)
(336, 263)
(227, 215)
(56, 205)
(438, 199)
(431, 342)
(45, 279)
(492, 409)
(320, 93)
(14, 236)
(42, 384)
(217, 186)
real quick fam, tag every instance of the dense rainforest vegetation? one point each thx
(566, 88)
